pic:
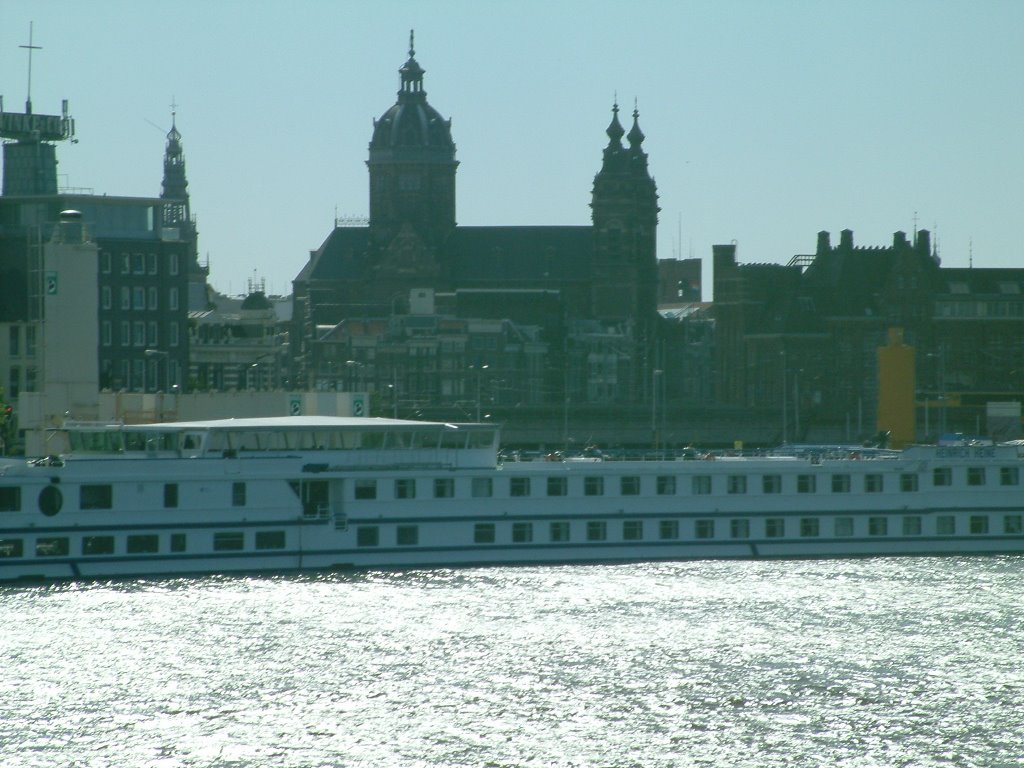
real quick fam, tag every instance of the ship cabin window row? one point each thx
(736, 529)
(92, 545)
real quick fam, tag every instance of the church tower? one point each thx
(624, 210)
(174, 192)
(412, 179)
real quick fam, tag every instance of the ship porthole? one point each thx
(50, 500)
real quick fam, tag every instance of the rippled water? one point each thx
(887, 662)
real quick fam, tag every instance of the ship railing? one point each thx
(321, 512)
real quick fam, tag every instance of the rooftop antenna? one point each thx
(970, 253)
(915, 227)
(30, 48)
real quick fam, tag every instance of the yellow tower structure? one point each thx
(896, 380)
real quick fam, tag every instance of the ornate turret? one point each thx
(412, 165)
(175, 185)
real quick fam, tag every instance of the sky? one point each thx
(766, 120)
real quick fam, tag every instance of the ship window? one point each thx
(771, 484)
(178, 542)
(945, 525)
(444, 487)
(1012, 524)
(739, 528)
(97, 545)
(170, 495)
(908, 482)
(12, 548)
(701, 485)
(668, 529)
(912, 525)
(597, 531)
(228, 541)
(238, 494)
(840, 483)
(843, 527)
(559, 531)
(630, 485)
(522, 533)
(10, 499)
(873, 483)
(704, 529)
(1009, 476)
(482, 487)
(407, 535)
(736, 484)
(52, 546)
(878, 526)
(775, 528)
(483, 533)
(632, 530)
(666, 485)
(366, 489)
(975, 475)
(519, 486)
(405, 488)
(593, 486)
(805, 484)
(809, 527)
(270, 539)
(979, 524)
(558, 486)
(146, 543)
(942, 476)
(367, 536)
(95, 497)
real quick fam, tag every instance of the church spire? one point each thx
(636, 136)
(175, 184)
(615, 131)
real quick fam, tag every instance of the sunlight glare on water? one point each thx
(886, 662)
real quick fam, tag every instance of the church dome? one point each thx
(411, 122)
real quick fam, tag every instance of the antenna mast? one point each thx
(30, 48)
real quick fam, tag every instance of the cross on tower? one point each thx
(30, 47)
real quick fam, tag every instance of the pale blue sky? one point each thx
(765, 121)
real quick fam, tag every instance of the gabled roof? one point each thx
(527, 253)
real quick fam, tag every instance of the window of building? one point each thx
(126, 297)
(97, 545)
(138, 334)
(172, 299)
(171, 495)
(444, 487)
(105, 262)
(228, 541)
(842, 527)
(559, 531)
(106, 302)
(138, 264)
(771, 484)
(154, 336)
(597, 530)
(407, 535)
(152, 295)
(908, 482)
(558, 486)
(701, 485)
(14, 381)
(405, 488)
(151, 263)
(172, 263)
(519, 486)
(14, 340)
(739, 528)
(942, 476)
(630, 485)
(873, 483)
(979, 524)
(912, 525)
(178, 542)
(367, 536)
(1009, 476)
(126, 333)
(172, 334)
(736, 484)
(238, 494)
(10, 498)
(805, 484)
(704, 529)
(878, 526)
(774, 527)
(30, 341)
(106, 334)
(666, 485)
(482, 487)
(96, 496)
(810, 527)
(12, 548)
(365, 489)
(593, 486)
(945, 525)
(522, 533)
(668, 529)
(483, 533)
(840, 483)
(1012, 524)
(975, 475)
(143, 544)
(632, 530)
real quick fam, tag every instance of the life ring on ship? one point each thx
(50, 500)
